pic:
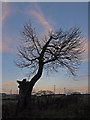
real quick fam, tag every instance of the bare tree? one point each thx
(59, 49)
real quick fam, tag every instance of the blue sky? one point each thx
(44, 16)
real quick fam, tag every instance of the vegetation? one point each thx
(57, 49)
(45, 106)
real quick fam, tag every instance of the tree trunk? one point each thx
(25, 90)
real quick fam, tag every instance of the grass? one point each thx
(71, 106)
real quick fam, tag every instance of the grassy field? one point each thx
(68, 106)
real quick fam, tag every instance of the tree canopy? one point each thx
(57, 49)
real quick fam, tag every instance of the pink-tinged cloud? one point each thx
(1, 47)
(84, 75)
(5, 11)
(85, 54)
(38, 14)
(41, 19)
(7, 43)
(9, 83)
(88, 49)
(9, 87)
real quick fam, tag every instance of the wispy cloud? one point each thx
(7, 45)
(9, 87)
(0, 47)
(86, 46)
(88, 49)
(84, 75)
(5, 11)
(85, 54)
(37, 13)
(9, 83)
(7, 41)
(40, 18)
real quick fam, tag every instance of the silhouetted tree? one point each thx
(59, 49)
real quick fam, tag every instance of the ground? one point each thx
(65, 106)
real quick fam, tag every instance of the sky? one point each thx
(44, 16)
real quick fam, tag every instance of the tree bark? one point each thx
(32, 83)
(25, 90)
